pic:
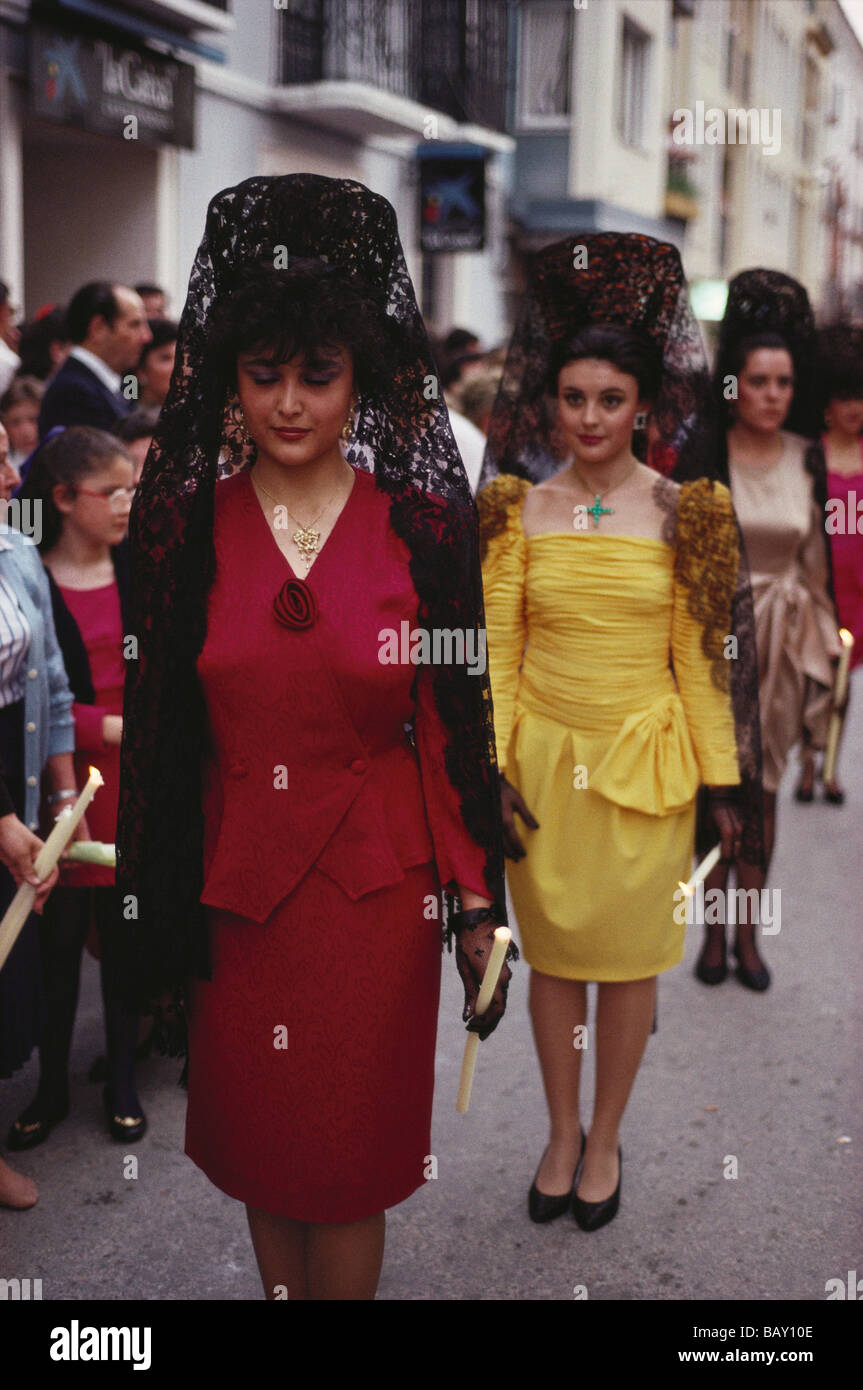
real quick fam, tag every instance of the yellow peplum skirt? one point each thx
(594, 895)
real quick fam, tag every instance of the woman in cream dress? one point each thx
(766, 345)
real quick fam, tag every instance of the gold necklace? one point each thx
(597, 510)
(305, 538)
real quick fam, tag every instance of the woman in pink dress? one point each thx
(839, 376)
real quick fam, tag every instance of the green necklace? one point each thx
(597, 510)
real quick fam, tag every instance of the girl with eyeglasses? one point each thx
(81, 485)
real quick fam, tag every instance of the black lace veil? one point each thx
(402, 437)
(635, 281)
(768, 301)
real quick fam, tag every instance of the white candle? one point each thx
(840, 688)
(502, 938)
(22, 904)
(843, 666)
(708, 862)
(93, 852)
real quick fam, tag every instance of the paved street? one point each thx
(773, 1080)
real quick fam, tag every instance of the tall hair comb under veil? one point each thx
(402, 437)
(636, 282)
(838, 362)
(767, 301)
(607, 277)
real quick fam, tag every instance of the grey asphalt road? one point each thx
(772, 1080)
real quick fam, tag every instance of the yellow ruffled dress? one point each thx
(606, 745)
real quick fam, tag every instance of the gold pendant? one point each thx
(306, 540)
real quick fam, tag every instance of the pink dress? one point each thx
(97, 613)
(847, 552)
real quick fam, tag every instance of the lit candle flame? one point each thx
(95, 773)
(846, 637)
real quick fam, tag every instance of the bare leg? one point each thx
(624, 1016)
(280, 1249)
(310, 1260)
(15, 1190)
(343, 1261)
(556, 1008)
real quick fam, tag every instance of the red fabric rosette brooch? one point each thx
(295, 604)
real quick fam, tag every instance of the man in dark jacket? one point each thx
(108, 328)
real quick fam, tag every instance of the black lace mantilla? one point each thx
(404, 439)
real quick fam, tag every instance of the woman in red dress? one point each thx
(335, 749)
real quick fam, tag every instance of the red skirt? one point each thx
(336, 1125)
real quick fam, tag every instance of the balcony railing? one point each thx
(448, 54)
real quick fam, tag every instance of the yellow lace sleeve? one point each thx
(706, 566)
(504, 559)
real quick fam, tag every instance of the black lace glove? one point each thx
(512, 801)
(474, 932)
(723, 810)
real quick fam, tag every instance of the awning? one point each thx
(141, 28)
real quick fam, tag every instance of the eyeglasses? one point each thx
(115, 495)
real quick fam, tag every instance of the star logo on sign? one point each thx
(454, 195)
(62, 57)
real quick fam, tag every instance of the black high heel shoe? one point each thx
(759, 980)
(124, 1128)
(710, 974)
(805, 789)
(32, 1127)
(541, 1207)
(592, 1215)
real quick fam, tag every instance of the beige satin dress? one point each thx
(795, 623)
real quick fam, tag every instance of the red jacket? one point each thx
(315, 706)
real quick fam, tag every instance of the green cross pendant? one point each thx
(597, 510)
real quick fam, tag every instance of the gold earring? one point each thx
(347, 427)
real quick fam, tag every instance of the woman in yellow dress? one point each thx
(609, 592)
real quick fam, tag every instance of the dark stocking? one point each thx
(121, 1026)
(63, 931)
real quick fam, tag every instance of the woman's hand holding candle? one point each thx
(19, 849)
(495, 965)
(474, 942)
(81, 836)
(22, 904)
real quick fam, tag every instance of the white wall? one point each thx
(89, 211)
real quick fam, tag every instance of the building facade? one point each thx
(225, 89)
(732, 128)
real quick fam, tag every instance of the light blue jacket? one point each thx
(49, 725)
